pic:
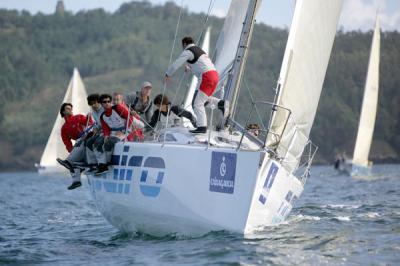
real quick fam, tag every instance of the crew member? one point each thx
(140, 102)
(73, 129)
(175, 112)
(113, 122)
(202, 67)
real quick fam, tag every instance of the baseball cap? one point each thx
(146, 84)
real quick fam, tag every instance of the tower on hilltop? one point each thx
(60, 8)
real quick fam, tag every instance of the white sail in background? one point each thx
(193, 84)
(229, 36)
(302, 75)
(76, 94)
(370, 102)
(79, 94)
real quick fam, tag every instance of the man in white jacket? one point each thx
(202, 67)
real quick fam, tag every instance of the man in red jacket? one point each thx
(114, 123)
(73, 129)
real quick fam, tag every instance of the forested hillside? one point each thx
(117, 51)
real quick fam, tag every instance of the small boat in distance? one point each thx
(55, 148)
(360, 165)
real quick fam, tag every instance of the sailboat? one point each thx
(360, 165)
(55, 148)
(187, 184)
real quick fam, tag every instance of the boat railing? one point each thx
(304, 168)
(265, 134)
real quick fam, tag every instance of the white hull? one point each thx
(194, 197)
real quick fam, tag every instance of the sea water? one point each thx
(338, 220)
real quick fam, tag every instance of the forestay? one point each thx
(370, 102)
(302, 74)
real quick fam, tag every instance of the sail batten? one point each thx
(302, 74)
(370, 102)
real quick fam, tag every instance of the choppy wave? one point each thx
(338, 220)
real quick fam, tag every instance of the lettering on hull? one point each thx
(124, 167)
(222, 172)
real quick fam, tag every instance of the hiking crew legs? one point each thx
(90, 150)
(78, 153)
(200, 100)
(103, 149)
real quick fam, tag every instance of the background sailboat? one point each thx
(75, 94)
(360, 165)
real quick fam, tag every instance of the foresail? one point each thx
(302, 75)
(370, 102)
(193, 84)
(229, 36)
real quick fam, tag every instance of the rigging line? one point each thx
(210, 7)
(173, 100)
(255, 106)
(172, 51)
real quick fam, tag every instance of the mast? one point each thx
(235, 78)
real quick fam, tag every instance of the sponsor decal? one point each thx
(222, 172)
(151, 177)
(269, 181)
(287, 204)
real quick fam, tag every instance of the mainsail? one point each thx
(370, 102)
(229, 36)
(76, 94)
(302, 75)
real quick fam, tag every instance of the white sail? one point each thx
(228, 38)
(79, 94)
(370, 102)
(187, 104)
(55, 148)
(302, 75)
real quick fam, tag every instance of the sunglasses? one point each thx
(106, 101)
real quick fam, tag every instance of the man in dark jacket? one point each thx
(141, 103)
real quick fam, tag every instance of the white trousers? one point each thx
(200, 100)
(77, 155)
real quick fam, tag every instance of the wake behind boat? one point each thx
(190, 184)
(55, 148)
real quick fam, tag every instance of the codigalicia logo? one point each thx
(222, 172)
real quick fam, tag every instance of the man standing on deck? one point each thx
(202, 67)
(73, 129)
